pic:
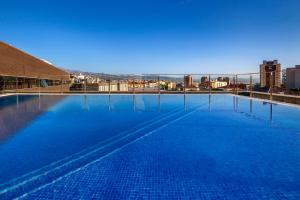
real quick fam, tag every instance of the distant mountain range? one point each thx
(123, 76)
(175, 78)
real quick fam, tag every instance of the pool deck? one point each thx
(175, 162)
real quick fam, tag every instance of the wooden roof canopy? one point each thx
(16, 63)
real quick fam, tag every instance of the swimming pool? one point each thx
(148, 146)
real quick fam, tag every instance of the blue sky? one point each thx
(155, 36)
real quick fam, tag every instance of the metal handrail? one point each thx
(19, 84)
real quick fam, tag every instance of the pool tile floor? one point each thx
(192, 158)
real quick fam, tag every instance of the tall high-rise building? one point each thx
(270, 71)
(293, 77)
(188, 81)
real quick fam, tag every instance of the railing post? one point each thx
(184, 84)
(209, 84)
(271, 86)
(236, 83)
(133, 85)
(39, 81)
(251, 85)
(4, 85)
(16, 84)
(61, 87)
(158, 78)
(109, 84)
(85, 83)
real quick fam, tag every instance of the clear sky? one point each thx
(155, 36)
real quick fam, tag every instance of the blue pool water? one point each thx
(148, 146)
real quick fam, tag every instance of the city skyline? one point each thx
(155, 37)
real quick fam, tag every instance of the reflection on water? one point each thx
(209, 102)
(17, 111)
(251, 105)
(261, 107)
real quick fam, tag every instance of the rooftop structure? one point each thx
(270, 74)
(188, 81)
(28, 70)
(293, 77)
